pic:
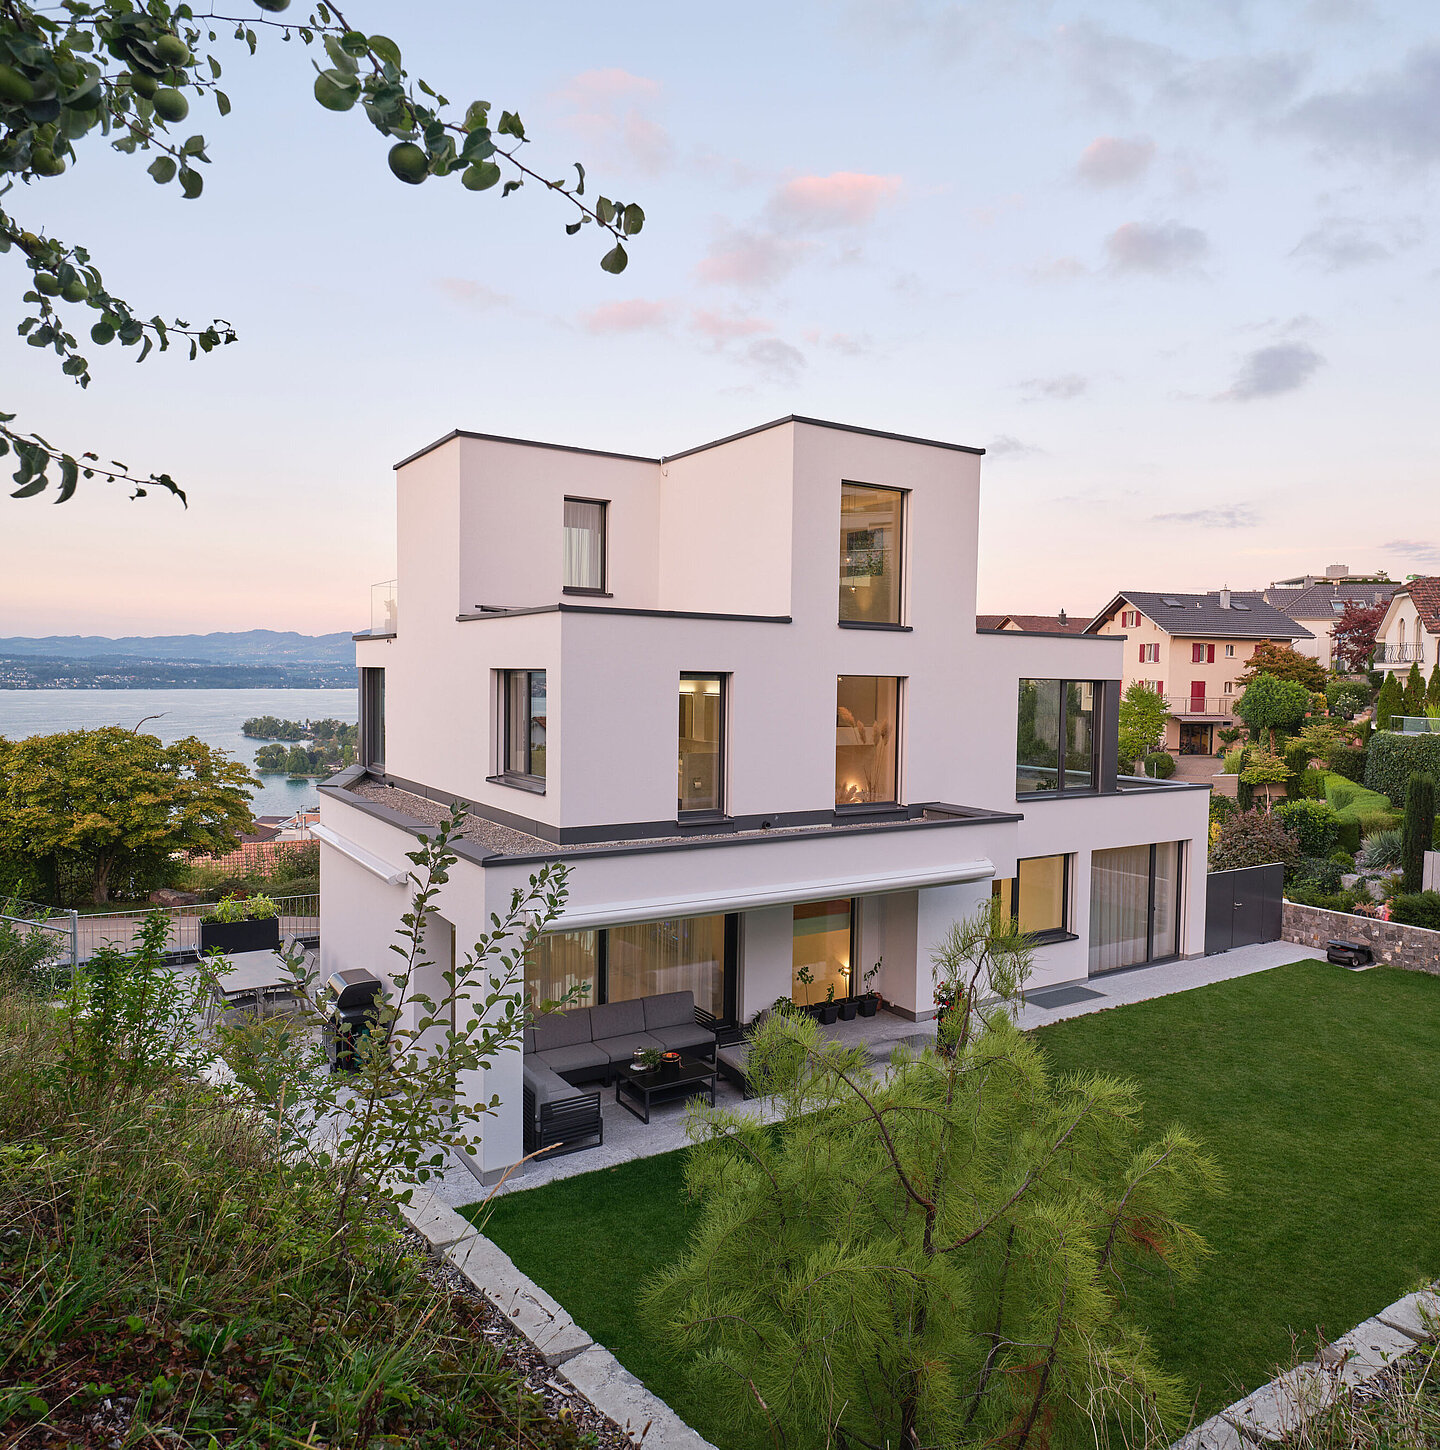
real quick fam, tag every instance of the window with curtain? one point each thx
(870, 545)
(524, 723)
(1056, 745)
(585, 544)
(820, 946)
(560, 961)
(702, 718)
(867, 726)
(1134, 905)
(686, 954)
(1037, 897)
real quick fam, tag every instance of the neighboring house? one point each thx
(1061, 623)
(785, 618)
(1318, 602)
(1410, 632)
(1192, 648)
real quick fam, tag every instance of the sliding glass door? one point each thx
(1134, 905)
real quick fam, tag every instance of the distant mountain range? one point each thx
(253, 659)
(245, 647)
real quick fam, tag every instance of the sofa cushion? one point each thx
(562, 1029)
(529, 1039)
(670, 1009)
(682, 1039)
(547, 1086)
(622, 1049)
(580, 1057)
(615, 1019)
(736, 1057)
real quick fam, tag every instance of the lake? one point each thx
(213, 715)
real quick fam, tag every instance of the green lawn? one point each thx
(1317, 1089)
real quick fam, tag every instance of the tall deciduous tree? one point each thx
(1284, 663)
(1272, 704)
(1143, 714)
(113, 798)
(91, 69)
(937, 1256)
(1354, 636)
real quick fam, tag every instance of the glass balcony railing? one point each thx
(1415, 724)
(382, 608)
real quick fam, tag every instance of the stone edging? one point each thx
(1394, 943)
(1278, 1409)
(585, 1365)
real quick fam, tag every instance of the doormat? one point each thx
(1061, 997)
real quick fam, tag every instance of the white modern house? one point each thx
(787, 618)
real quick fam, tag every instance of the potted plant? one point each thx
(869, 1000)
(806, 978)
(848, 1003)
(241, 924)
(829, 1009)
(645, 1059)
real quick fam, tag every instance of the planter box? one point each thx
(867, 1005)
(240, 936)
(847, 1009)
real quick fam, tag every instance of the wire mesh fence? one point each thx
(299, 916)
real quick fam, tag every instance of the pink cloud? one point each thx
(606, 109)
(1114, 160)
(636, 315)
(721, 329)
(592, 89)
(473, 294)
(748, 258)
(842, 199)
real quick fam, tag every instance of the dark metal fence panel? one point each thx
(1243, 907)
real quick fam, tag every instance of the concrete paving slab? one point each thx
(1217, 1433)
(1369, 1348)
(523, 1302)
(431, 1216)
(1279, 1408)
(610, 1387)
(1417, 1315)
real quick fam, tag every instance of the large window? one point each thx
(524, 723)
(693, 953)
(372, 719)
(820, 950)
(867, 728)
(870, 554)
(1055, 744)
(1134, 905)
(702, 758)
(585, 545)
(1037, 897)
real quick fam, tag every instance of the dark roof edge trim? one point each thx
(608, 609)
(824, 423)
(455, 433)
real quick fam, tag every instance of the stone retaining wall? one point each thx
(1412, 947)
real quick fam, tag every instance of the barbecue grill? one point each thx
(350, 999)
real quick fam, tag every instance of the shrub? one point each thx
(25, 953)
(1394, 758)
(1349, 761)
(1372, 821)
(1349, 833)
(1417, 908)
(1312, 785)
(1253, 839)
(1318, 873)
(1160, 765)
(1381, 848)
(1315, 825)
(1244, 794)
(243, 908)
(1222, 807)
(1419, 828)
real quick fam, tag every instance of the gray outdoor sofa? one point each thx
(566, 1049)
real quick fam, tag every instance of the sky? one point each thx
(1173, 266)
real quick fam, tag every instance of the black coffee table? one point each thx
(689, 1078)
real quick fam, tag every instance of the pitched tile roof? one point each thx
(1034, 623)
(1249, 616)
(1319, 600)
(1425, 594)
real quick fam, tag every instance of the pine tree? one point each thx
(935, 1255)
(1418, 829)
(1414, 692)
(1432, 693)
(1389, 702)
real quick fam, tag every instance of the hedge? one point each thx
(1393, 758)
(1418, 908)
(1315, 825)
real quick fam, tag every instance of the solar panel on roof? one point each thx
(1173, 603)
(1244, 607)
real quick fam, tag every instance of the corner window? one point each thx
(372, 720)
(1055, 744)
(524, 723)
(870, 542)
(585, 545)
(867, 727)
(1037, 897)
(702, 755)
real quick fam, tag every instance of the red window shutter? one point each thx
(1197, 653)
(1209, 654)
(1159, 687)
(1142, 654)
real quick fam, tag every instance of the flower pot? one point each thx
(847, 1009)
(240, 936)
(867, 1004)
(828, 1012)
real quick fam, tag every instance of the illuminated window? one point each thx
(870, 545)
(867, 721)
(702, 756)
(1037, 898)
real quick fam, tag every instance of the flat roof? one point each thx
(685, 453)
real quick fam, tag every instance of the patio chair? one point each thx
(732, 1056)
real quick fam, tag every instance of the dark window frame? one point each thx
(526, 779)
(902, 556)
(1054, 933)
(1097, 716)
(722, 771)
(372, 718)
(603, 592)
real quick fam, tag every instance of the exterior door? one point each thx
(1243, 907)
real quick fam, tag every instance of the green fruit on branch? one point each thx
(14, 88)
(170, 105)
(273, 6)
(172, 50)
(47, 283)
(46, 163)
(102, 333)
(331, 94)
(75, 291)
(409, 163)
(144, 86)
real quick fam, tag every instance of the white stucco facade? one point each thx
(726, 562)
(1405, 637)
